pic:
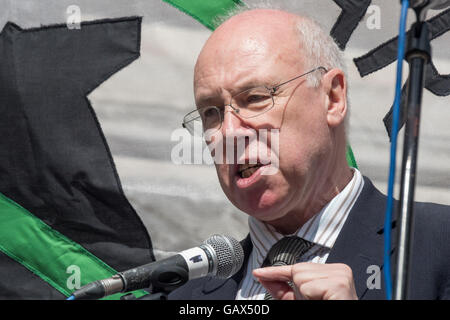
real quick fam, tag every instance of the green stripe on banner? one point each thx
(205, 11)
(350, 157)
(46, 252)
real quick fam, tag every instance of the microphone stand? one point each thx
(418, 55)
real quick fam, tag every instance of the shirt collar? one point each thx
(322, 229)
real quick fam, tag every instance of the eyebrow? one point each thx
(207, 101)
(252, 83)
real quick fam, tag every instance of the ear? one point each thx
(335, 86)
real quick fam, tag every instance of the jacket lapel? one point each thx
(360, 242)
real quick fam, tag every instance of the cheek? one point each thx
(222, 173)
(301, 150)
(294, 150)
(303, 134)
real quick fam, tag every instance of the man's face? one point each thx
(239, 57)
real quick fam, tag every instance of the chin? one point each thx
(265, 207)
(264, 199)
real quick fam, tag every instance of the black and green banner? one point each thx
(63, 213)
(47, 253)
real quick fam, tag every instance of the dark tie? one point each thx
(285, 252)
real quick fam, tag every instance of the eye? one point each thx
(257, 101)
(209, 112)
(210, 117)
(257, 98)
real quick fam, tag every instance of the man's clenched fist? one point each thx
(311, 281)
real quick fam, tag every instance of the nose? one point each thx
(231, 121)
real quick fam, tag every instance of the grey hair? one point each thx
(319, 47)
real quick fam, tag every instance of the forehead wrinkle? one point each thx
(213, 86)
(236, 75)
(214, 78)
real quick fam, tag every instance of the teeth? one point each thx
(243, 167)
(248, 172)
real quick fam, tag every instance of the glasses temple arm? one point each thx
(304, 74)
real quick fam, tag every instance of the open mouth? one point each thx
(247, 170)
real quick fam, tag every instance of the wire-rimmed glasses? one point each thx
(247, 104)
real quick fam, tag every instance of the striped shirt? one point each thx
(322, 229)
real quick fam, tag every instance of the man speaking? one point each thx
(315, 224)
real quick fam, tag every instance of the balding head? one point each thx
(307, 42)
(267, 24)
(250, 34)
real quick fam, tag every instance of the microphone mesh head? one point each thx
(229, 252)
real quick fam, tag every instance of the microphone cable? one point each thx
(392, 164)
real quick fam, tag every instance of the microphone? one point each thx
(221, 256)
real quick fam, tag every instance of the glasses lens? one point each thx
(210, 117)
(253, 102)
(201, 120)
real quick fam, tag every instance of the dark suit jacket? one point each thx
(360, 245)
